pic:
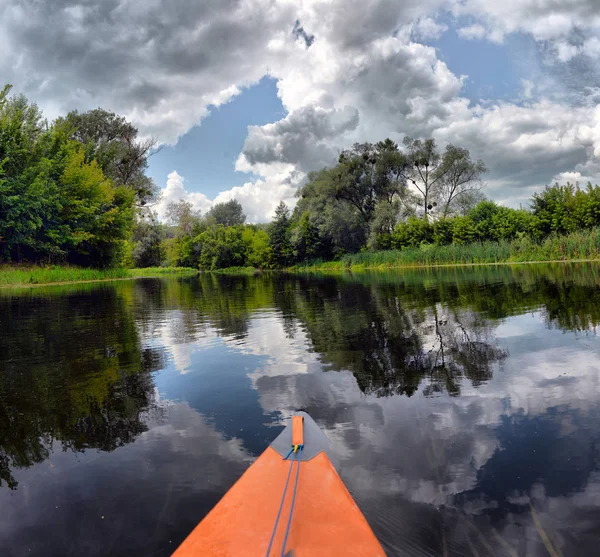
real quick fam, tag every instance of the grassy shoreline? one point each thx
(337, 268)
(576, 247)
(20, 277)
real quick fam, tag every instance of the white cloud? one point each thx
(165, 64)
(175, 191)
(258, 199)
(428, 28)
(475, 31)
(560, 24)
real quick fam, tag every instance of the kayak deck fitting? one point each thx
(289, 503)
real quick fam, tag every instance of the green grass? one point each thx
(237, 271)
(157, 271)
(582, 245)
(28, 276)
(22, 276)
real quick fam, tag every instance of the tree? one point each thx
(95, 217)
(370, 174)
(441, 179)
(147, 239)
(221, 247)
(183, 215)
(556, 209)
(228, 214)
(361, 197)
(258, 252)
(424, 174)
(460, 176)
(305, 239)
(279, 236)
(112, 141)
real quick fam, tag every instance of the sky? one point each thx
(248, 96)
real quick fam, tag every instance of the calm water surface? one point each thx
(464, 406)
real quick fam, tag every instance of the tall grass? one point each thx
(156, 271)
(24, 276)
(237, 271)
(575, 246)
(17, 276)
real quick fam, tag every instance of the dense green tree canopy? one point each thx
(55, 203)
(228, 214)
(112, 141)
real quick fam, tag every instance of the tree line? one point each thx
(377, 197)
(76, 191)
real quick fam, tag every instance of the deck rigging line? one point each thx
(296, 451)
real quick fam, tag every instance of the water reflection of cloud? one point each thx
(145, 494)
(180, 335)
(432, 450)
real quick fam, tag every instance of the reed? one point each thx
(581, 245)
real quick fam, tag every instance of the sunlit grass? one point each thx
(156, 271)
(27, 276)
(237, 271)
(15, 276)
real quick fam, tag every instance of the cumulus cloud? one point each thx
(175, 191)
(165, 64)
(560, 24)
(259, 198)
(428, 28)
(304, 136)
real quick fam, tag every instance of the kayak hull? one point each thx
(326, 521)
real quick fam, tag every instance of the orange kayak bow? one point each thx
(290, 502)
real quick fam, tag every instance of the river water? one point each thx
(463, 405)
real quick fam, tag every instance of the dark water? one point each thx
(464, 406)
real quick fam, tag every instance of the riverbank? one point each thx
(578, 246)
(14, 277)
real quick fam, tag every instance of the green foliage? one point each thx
(305, 239)
(221, 247)
(159, 271)
(95, 216)
(412, 233)
(564, 209)
(112, 141)
(228, 214)
(443, 231)
(280, 236)
(580, 245)
(26, 276)
(146, 244)
(464, 231)
(258, 248)
(55, 204)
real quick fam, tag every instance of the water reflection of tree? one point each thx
(395, 330)
(464, 347)
(72, 372)
(391, 345)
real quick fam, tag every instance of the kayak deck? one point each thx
(325, 520)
